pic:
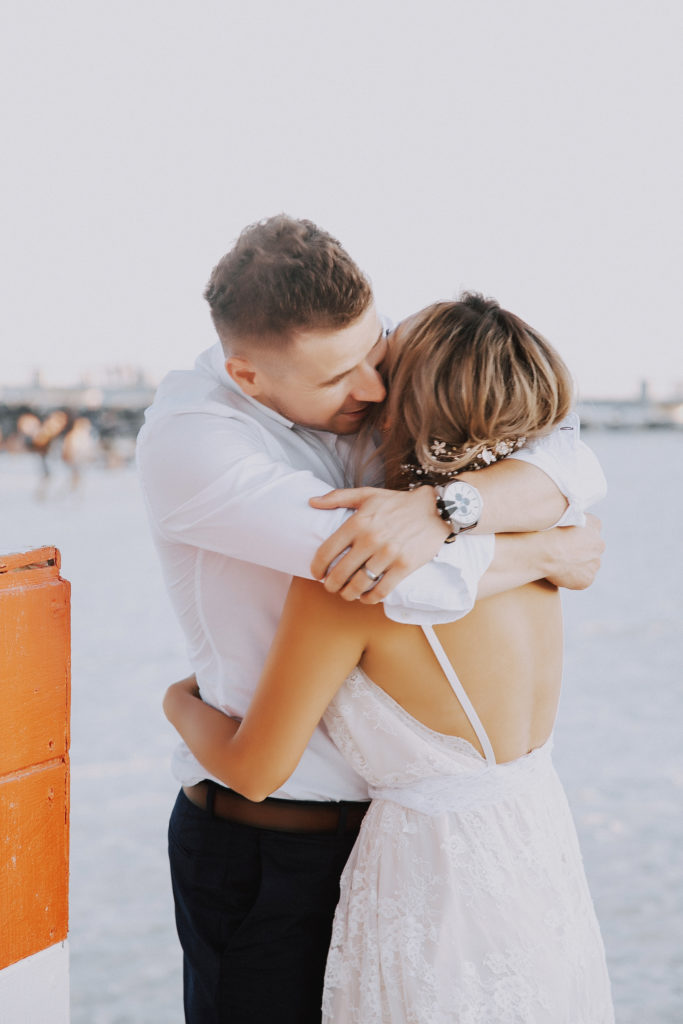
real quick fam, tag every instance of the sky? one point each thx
(530, 150)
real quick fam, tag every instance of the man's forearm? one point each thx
(568, 556)
(564, 480)
(519, 558)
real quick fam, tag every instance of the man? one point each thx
(234, 458)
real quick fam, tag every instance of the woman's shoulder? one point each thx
(310, 597)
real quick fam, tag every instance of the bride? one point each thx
(464, 899)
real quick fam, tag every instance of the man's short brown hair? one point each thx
(283, 276)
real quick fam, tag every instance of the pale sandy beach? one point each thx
(618, 743)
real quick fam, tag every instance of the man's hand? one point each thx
(391, 534)
(577, 551)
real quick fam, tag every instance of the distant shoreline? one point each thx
(119, 407)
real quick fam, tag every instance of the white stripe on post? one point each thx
(36, 990)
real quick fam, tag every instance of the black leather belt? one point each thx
(326, 817)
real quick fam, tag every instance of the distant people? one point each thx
(39, 437)
(78, 448)
(110, 440)
(28, 426)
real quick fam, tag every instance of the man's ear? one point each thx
(244, 374)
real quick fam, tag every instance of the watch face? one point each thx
(466, 504)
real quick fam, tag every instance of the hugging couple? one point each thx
(369, 819)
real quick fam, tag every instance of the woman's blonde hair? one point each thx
(464, 378)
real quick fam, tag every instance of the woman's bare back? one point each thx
(507, 654)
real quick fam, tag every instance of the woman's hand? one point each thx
(176, 696)
(189, 685)
(209, 733)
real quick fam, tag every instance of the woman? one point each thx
(464, 898)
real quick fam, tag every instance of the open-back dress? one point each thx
(464, 900)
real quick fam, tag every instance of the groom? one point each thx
(234, 457)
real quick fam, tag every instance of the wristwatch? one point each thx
(460, 505)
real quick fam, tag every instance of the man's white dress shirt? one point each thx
(226, 481)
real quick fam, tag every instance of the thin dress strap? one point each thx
(459, 691)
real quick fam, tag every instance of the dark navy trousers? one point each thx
(254, 913)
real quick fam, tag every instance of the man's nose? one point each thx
(369, 386)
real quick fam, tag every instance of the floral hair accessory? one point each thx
(444, 452)
(441, 452)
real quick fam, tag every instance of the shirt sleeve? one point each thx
(212, 484)
(446, 588)
(221, 490)
(571, 465)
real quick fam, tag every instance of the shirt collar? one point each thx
(217, 362)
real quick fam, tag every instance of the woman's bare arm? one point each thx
(319, 640)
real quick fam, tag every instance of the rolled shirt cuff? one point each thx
(446, 588)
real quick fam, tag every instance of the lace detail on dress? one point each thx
(362, 700)
(473, 911)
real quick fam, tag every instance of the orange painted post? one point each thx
(35, 676)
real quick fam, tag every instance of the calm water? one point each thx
(619, 742)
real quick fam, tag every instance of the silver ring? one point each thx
(370, 574)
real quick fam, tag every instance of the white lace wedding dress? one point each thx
(464, 899)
